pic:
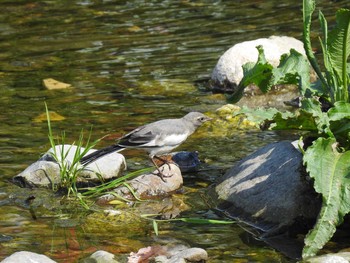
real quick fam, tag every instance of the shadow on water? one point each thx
(129, 63)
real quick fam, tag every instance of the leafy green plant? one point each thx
(324, 114)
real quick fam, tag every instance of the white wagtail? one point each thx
(156, 138)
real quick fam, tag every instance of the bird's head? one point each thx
(196, 118)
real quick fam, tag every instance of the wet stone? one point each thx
(269, 191)
(101, 256)
(150, 185)
(187, 161)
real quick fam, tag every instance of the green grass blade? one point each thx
(155, 227)
(206, 221)
(93, 191)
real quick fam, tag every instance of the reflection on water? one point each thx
(130, 63)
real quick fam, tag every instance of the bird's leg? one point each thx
(160, 173)
(163, 160)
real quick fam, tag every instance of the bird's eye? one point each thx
(201, 118)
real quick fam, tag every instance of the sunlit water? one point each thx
(130, 62)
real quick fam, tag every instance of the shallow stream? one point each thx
(129, 62)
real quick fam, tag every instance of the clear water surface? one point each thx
(130, 62)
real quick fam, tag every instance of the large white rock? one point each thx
(46, 171)
(27, 257)
(229, 66)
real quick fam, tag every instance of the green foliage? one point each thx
(292, 69)
(69, 170)
(332, 180)
(335, 49)
(328, 159)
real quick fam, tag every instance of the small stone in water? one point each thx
(52, 84)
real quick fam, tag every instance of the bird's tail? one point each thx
(99, 153)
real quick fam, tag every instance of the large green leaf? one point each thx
(320, 118)
(301, 120)
(276, 120)
(331, 79)
(339, 122)
(330, 170)
(341, 110)
(293, 69)
(258, 115)
(308, 9)
(338, 43)
(258, 73)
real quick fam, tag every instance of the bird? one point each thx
(156, 138)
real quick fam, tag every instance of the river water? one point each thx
(129, 62)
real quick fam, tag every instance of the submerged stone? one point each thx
(169, 254)
(52, 84)
(100, 256)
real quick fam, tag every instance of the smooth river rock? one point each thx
(149, 185)
(46, 171)
(229, 67)
(27, 257)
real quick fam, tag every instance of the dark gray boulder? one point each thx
(269, 191)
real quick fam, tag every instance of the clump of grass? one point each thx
(70, 169)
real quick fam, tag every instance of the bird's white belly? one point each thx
(159, 150)
(164, 144)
